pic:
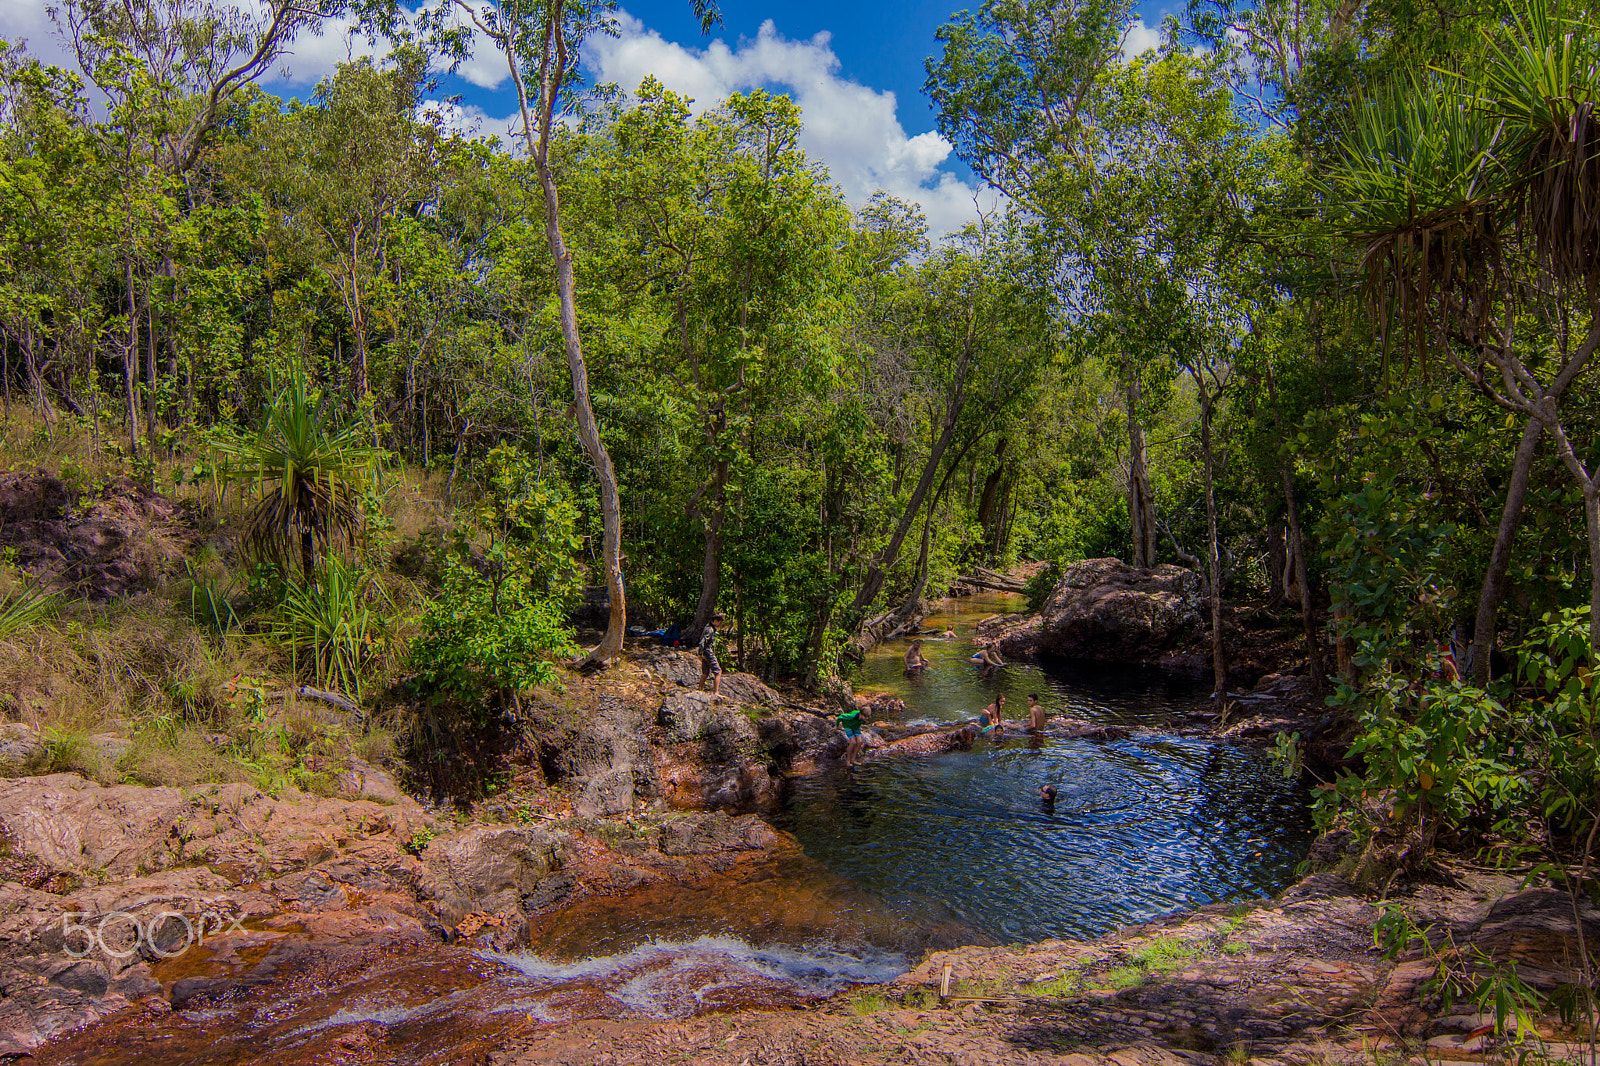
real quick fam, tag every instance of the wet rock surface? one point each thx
(1296, 982)
(1104, 610)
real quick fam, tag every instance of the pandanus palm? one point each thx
(310, 474)
(1476, 198)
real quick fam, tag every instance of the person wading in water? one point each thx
(915, 663)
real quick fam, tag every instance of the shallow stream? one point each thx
(1140, 827)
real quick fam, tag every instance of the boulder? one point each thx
(608, 794)
(489, 869)
(723, 730)
(683, 667)
(709, 834)
(20, 746)
(1105, 610)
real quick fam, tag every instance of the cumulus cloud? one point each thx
(1140, 39)
(850, 127)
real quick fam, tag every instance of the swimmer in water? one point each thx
(1036, 718)
(915, 663)
(1047, 798)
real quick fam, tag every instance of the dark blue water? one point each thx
(1141, 827)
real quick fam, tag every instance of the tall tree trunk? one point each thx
(1141, 500)
(954, 404)
(553, 72)
(130, 362)
(1278, 579)
(711, 561)
(1485, 623)
(991, 485)
(150, 375)
(1219, 663)
(1297, 551)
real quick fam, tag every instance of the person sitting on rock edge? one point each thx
(990, 721)
(709, 666)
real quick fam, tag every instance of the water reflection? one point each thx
(953, 687)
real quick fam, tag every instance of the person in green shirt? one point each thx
(850, 722)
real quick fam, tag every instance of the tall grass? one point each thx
(330, 625)
(24, 608)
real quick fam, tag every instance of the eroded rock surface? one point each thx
(1105, 610)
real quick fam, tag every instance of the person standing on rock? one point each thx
(850, 721)
(709, 666)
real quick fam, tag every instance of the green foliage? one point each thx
(334, 626)
(24, 607)
(484, 639)
(1386, 570)
(311, 474)
(1042, 584)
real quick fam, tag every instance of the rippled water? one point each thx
(1141, 827)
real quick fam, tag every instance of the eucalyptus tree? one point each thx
(55, 231)
(1035, 99)
(976, 318)
(1474, 198)
(540, 41)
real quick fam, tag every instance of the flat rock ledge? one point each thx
(1292, 982)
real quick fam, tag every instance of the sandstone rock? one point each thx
(20, 744)
(108, 747)
(683, 667)
(125, 831)
(365, 781)
(489, 869)
(708, 834)
(609, 793)
(1106, 610)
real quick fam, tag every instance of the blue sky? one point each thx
(855, 69)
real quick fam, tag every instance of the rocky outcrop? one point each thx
(126, 831)
(102, 545)
(928, 743)
(1105, 610)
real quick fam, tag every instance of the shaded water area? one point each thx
(1141, 827)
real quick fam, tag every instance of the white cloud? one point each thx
(1140, 39)
(850, 127)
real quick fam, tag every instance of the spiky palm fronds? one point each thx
(1542, 84)
(26, 607)
(330, 625)
(313, 471)
(1421, 188)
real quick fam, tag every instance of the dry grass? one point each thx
(181, 668)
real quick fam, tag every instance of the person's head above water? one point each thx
(1047, 793)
